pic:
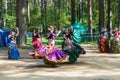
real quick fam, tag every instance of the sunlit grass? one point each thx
(44, 41)
(58, 42)
(90, 42)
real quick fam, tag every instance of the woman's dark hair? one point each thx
(69, 36)
(50, 37)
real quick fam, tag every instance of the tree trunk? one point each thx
(5, 13)
(59, 10)
(35, 1)
(45, 21)
(28, 7)
(72, 11)
(90, 18)
(119, 15)
(109, 23)
(21, 21)
(1, 25)
(11, 7)
(55, 11)
(43, 15)
(101, 14)
(77, 11)
(80, 11)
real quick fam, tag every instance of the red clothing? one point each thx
(36, 43)
(118, 33)
(102, 45)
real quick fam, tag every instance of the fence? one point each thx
(84, 38)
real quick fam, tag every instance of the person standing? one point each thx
(13, 52)
(103, 41)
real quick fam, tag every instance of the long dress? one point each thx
(102, 45)
(55, 56)
(73, 50)
(115, 45)
(103, 42)
(37, 45)
(13, 52)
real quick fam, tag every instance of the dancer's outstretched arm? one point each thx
(58, 33)
(17, 30)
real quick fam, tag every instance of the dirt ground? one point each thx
(91, 66)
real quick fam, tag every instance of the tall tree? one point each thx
(21, 21)
(55, 11)
(109, 22)
(28, 11)
(72, 11)
(11, 7)
(43, 15)
(101, 14)
(119, 15)
(90, 18)
(59, 11)
(45, 21)
(35, 1)
(1, 13)
(5, 13)
(80, 10)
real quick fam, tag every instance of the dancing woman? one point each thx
(37, 44)
(103, 41)
(53, 54)
(37, 40)
(13, 52)
(72, 49)
(115, 40)
(66, 35)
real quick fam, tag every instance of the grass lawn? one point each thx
(44, 42)
(58, 42)
(90, 42)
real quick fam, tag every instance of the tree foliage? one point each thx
(58, 13)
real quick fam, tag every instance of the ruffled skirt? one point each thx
(13, 52)
(38, 54)
(74, 50)
(103, 46)
(115, 46)
(54, 57)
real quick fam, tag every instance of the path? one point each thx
(92, 66)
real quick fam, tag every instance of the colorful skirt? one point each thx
(38, 54)
(74, 52)
(79, 49)
(115, 46)
(54, 57)
(103, 46)
(13, 52)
